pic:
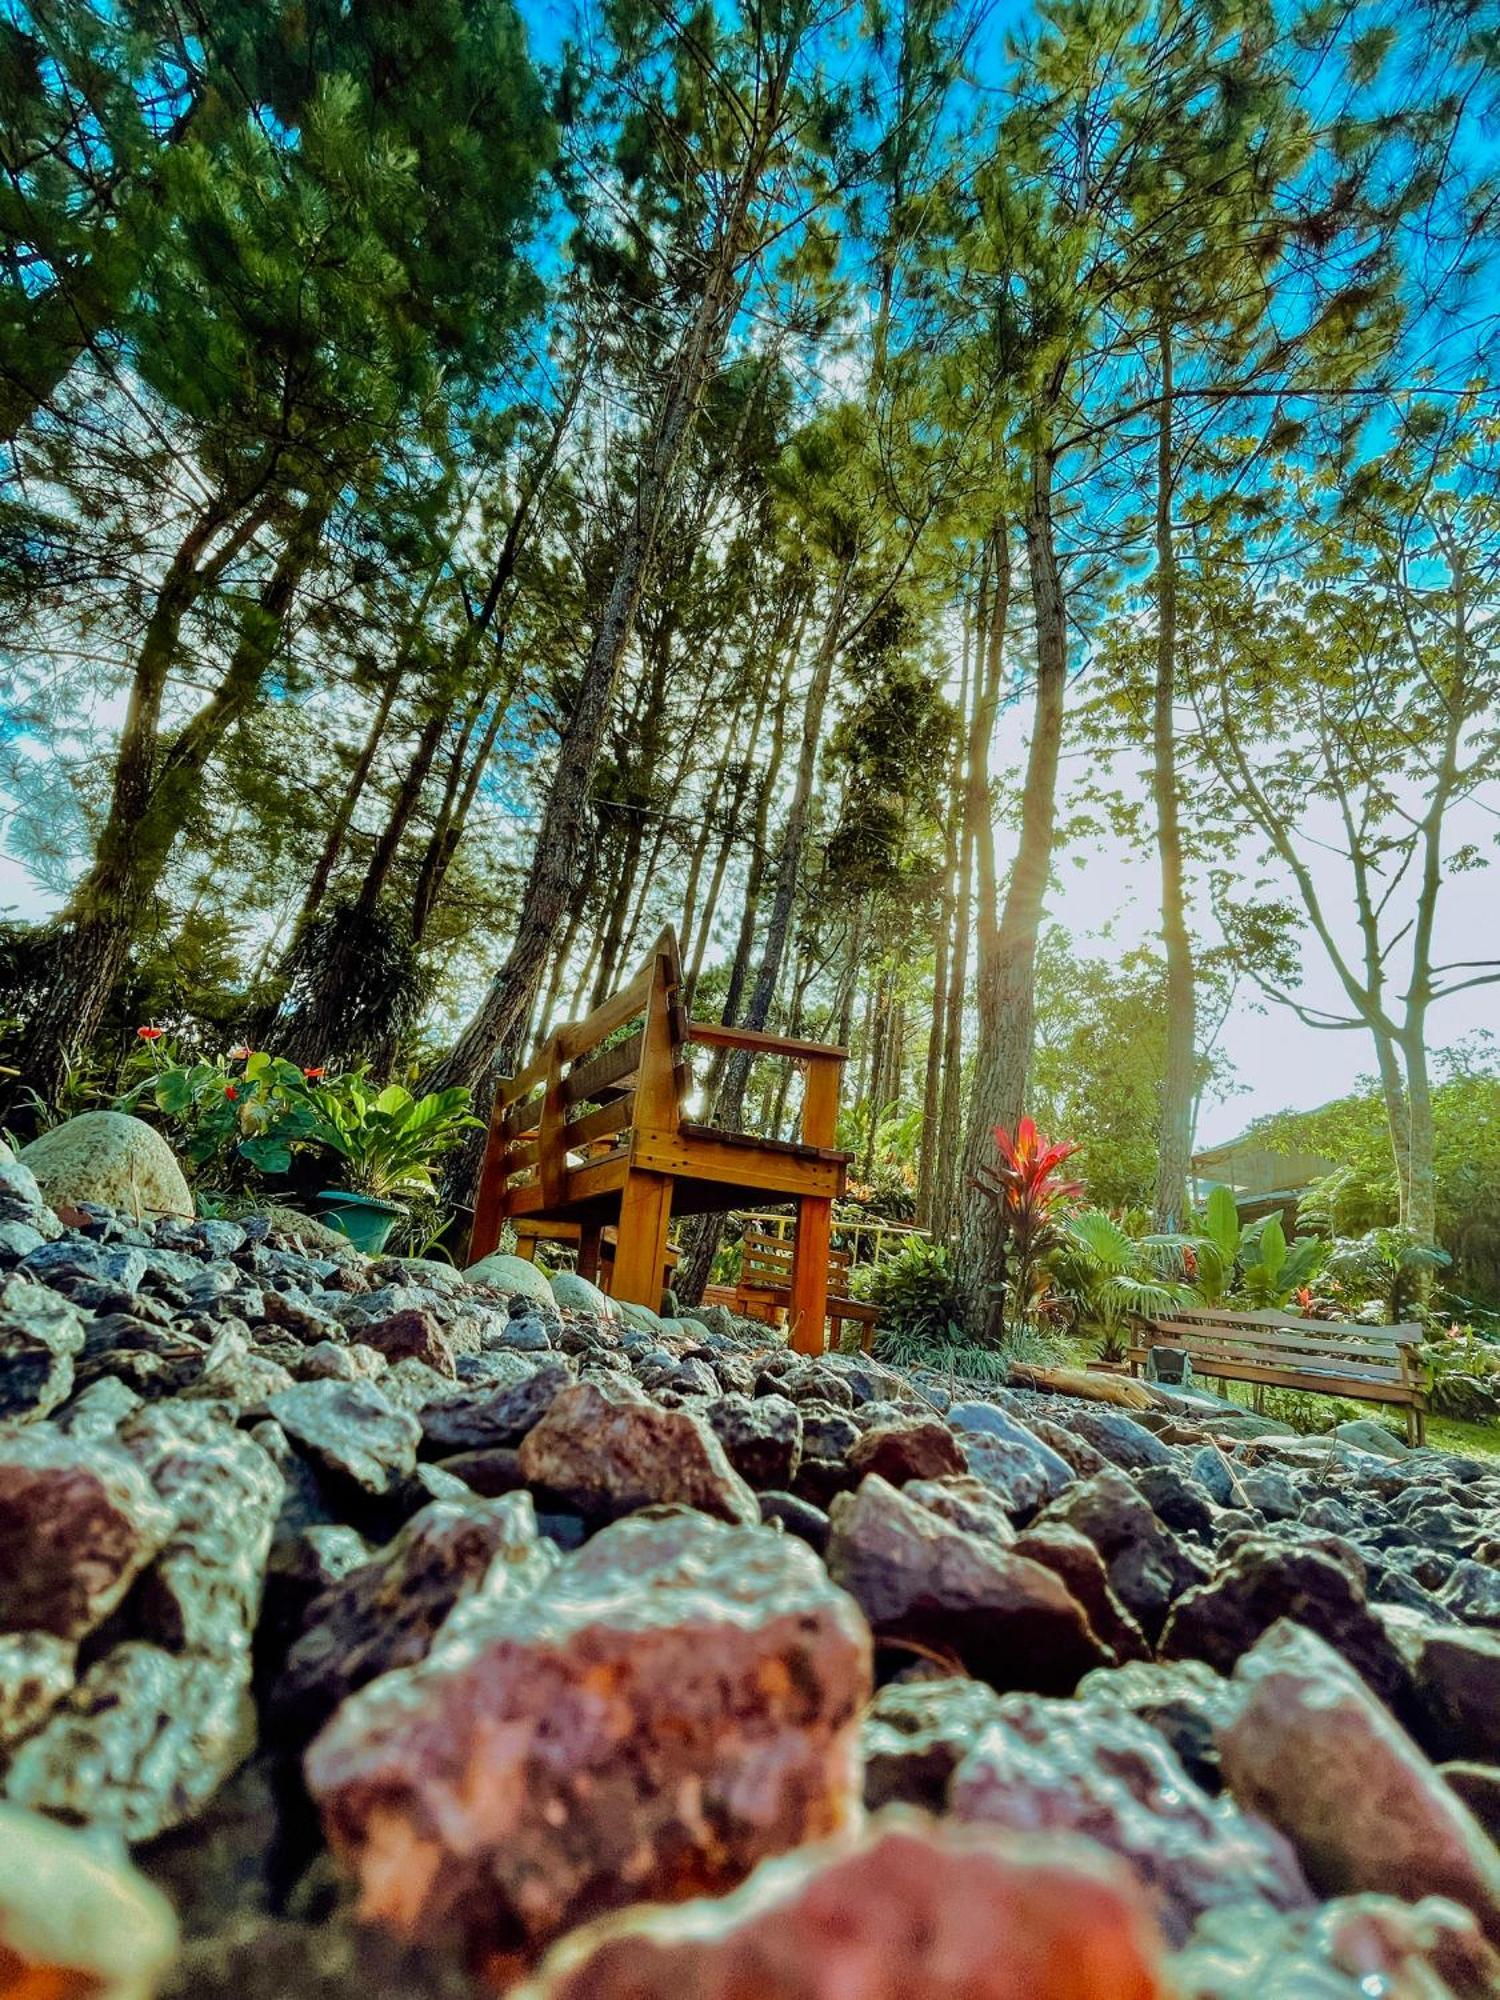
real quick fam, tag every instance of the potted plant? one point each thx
(386, 1141)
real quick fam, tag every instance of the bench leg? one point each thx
(589, 1234)
(641, 1249)
(808, 1306)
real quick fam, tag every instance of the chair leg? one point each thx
(588, 1251)
(641, 1246)
(807, 1309)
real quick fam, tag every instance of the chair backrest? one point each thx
(766, 1261)
(594, 1081)
(1283, 1341)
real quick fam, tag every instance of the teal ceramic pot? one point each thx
(365, 1221)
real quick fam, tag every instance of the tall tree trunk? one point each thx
(1006, 984)
(343, 818)
(155, 790)
(561, 853)
(1175, 1125)
(699, 1248)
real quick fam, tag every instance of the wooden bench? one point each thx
(765, 1284)
(593, 1132)
(1370, 1364)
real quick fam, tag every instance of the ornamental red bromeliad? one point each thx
(1029, 1195)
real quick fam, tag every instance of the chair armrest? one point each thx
(716, 1036)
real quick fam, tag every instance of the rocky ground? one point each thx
(423, 1633)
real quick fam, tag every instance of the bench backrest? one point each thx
(595, 1080)
(766, 1260)
(1282, 1341)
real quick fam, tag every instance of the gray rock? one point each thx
(352, 1430)
(1148, 1567)
(1046, 1766)
(1270, 1491)
(969, 1503)
(761, 1436)
(921, 1580)
(1073, 1557)
(141, 1744)
(1473, 1591)
(1119, 1438)
(1456, 1694)
(1216, 1476)
(479, 1419)
(39, 1335)
(112, 1159)
(1349, 1949)
(36, 1672)
(1367, 1435)
(1185, 1701)
(77, 1921)
(78, 1522)
(575, 1294)
(513, 1276)
(914, 1736)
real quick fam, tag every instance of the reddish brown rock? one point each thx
(679, 1700)
(1063, 1767)
(920, 1578)
(412, 1334)
(1314, 1752)
(75, 1924)
(915, 1912)
(77, 1522)
(606, 1454)
(899, 1452)
(1074, 1558)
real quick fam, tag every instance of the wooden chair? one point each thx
(592, 1132)
(1369, 1364)
(764, 1288)
(530, 1232)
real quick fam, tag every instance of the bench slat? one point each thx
(1404, 1332)
(1195, 1338)
(585, 1079)
(601, 1124)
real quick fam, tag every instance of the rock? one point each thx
(1478, 1785)
(492, 1472)
(526, 1335)
(1054, 1767)
(1074, 1558)
(969, 1503)
(99, 1410)
(112, 1159)
(1177, 1500)
(1213, 1472)
(1073, 1451)
(1456, 1694)
(942, 1912)
(1473, 1591)
(1184, 1701)
(466, 1421)
(141, 1744)
(36, 1671)
(39, 1335)
(918, 1578)
(1266, 1580)
(73, 1921)
(1119, 1438)
(1148, 1567)
(411, 1334)
(914, 1736)
(352, 1430)
(798, 1517)
(326, 1361)
(899, 1452)
(385, 1614)
(513, 1275)
(1016, 1473)
(202, 1593)
(1316, 1754)
(576, 1294)
(761, 1436)
(606, 1455)
(1271, 1492)
(676, 1701)
(1349, 1949)
(1367, 1435)
(78, 1522)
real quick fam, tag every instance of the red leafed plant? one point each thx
(1029, 1194)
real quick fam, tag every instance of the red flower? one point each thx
(313, 1074)
(1190, 1261)
(150, 1034)
(230, 1092)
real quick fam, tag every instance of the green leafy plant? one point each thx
(1389, 1265)
(916, 1292)
(387, 1139)
(1256, 1263)
(1030, 1198)
(1462, 1375)
(1107, 1277)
